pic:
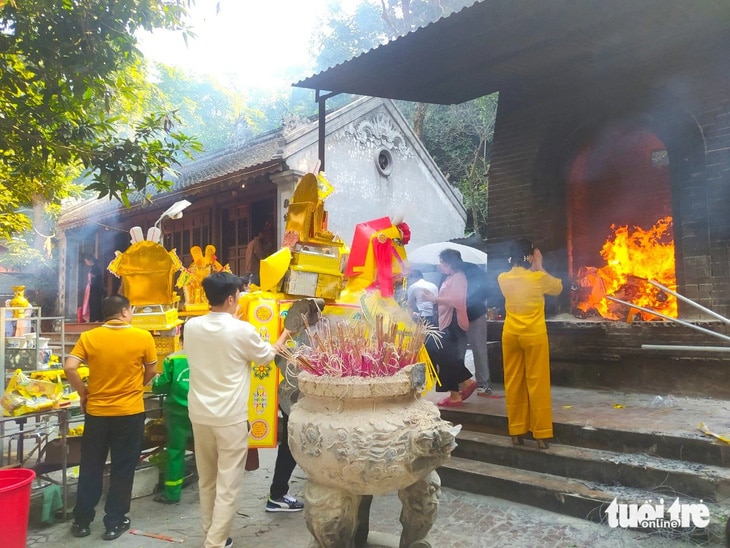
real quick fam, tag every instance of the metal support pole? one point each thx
(63, 422)
(689, 301)
(676, 320)
(322, 100)
(320, 128)
(685, 347)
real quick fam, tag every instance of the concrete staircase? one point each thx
(601, 453)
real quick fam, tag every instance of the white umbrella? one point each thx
(429, 253)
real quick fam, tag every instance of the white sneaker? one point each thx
(284, 504)
(484, 391)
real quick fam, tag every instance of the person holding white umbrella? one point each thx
(453, 322)
(430, 253)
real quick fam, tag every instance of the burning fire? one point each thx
(632, 258)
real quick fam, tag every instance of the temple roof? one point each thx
(264, 151)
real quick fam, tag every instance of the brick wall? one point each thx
(535, 138)
(609, 355)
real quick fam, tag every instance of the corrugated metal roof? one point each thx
(208, 168)
(518, 45)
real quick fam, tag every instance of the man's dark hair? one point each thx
(220, 285)
(112, 306)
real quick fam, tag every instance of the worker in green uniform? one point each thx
(174, 381)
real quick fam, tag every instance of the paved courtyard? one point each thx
(464, 521)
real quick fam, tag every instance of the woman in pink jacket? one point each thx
(448, 354)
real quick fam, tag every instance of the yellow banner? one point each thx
(263, 405)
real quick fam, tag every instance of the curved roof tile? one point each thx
(206, 168)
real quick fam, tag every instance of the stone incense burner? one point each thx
(356, 437)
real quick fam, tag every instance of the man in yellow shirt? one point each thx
(121, 361)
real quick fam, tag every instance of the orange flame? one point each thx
(632, 258)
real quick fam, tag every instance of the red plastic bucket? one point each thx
(15, 485)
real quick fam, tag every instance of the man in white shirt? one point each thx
(220, 348)
(421, 308)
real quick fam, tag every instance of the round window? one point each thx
(384, 162)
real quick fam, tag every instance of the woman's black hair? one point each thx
(452, 258)
(520, 250)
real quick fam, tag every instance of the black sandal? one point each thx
(518, 440)
(542, 445)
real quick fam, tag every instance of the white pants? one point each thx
(220, 457)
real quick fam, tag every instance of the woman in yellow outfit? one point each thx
(525, 349)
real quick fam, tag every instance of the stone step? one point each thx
(607, 444)
(573, 497)
(690, 446)
(636, 470)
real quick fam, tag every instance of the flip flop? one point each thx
(447, 402)
(468, 391)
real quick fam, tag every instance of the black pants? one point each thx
(285, 463)
(122, 436)
(448, 357)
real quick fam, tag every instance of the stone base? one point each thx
(382, 540)
(146, 481)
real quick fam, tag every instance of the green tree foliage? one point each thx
(274, 107)
(67, 68)
(374, 22)
(346, 35)
(459, 137)
(205, 108)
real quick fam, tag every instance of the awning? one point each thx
(527, 45)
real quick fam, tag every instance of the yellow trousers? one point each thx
(526, 361)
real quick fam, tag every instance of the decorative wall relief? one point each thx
(379, 131)
(291, 123)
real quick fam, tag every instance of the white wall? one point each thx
(414, 189)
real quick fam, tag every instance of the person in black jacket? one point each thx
(94, 292)
(476, 335)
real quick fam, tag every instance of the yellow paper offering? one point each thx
(25, 395)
